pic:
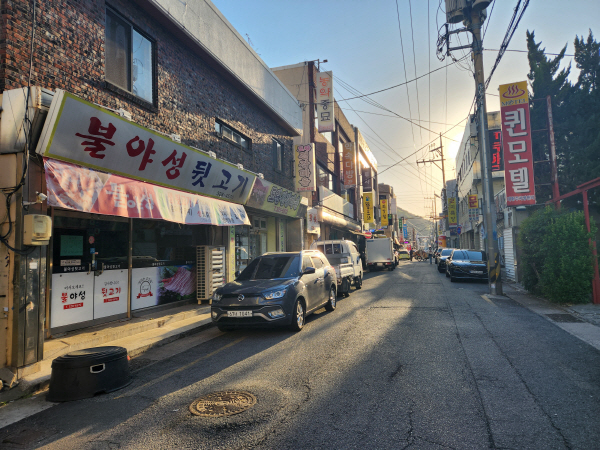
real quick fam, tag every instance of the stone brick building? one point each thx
(183, 77)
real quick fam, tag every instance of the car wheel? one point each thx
(440, 270)
(298, 316)
(452, 279)
(331, 304)
(358, 282)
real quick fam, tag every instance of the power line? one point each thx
(404, 67)
(412, 32)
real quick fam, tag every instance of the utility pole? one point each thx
(489, 207)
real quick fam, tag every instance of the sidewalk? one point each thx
(144, 331)
(582, 321)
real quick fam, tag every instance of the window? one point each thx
(317, 262)
(326, 178)
(129, 58)
(277, 156)
(232, 136)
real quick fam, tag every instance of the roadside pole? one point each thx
(489, 207)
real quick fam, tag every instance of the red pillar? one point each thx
(596, 280)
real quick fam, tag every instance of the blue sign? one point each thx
(405, 230)
(458, 229)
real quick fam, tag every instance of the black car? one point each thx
(441, 259)
(468, 264)
(276, 289)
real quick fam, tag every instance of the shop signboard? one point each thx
(405, 230)
(393, 206)
(80, 132)
(368, 216)
(383, 204)
(162, 283)
(72, 298)
(442, 241)
(269, 197)
(516, 141)
(473, 208)
(452, 219)
(304, 166)
(312, 221)
(496, 148)
(349, 162)
(324, 100)
(82, 189)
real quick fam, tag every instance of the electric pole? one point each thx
(489, 207)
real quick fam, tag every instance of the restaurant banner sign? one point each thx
(270, 197)
(383, 204)
(304, 166)
(452, 217)
(82, 133)
(82, 189)
(325, 114)
(349, 162)
(368, 208)
(516, 141)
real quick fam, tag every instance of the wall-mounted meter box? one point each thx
(37, 229)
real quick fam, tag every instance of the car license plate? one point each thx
(478, 272)
(239, 313)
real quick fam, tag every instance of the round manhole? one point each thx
(220, 404)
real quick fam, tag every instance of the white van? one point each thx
(345, 257)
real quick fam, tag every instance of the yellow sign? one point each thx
(514, 93)
(452, 219)
(383, 204)
(368, 208)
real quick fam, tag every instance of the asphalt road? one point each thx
(409, 361)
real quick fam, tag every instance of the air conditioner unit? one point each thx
(13, 126)
(455, 10)
(210, 271)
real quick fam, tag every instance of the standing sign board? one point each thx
(349, 164)
(452, 218)
(325, 114)
(383, 204)
(368, 208)
(304, 166)
(80, 132)
(516, 140)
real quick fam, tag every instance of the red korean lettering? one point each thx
(134, 150)
(173, 172)
(98, 138)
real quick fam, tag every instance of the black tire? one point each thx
(358, 282)
(452, 279)
(332, 303)
(298, 316)
(394, 267)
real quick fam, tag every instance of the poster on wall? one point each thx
(349, 166)
(324, 101)
(80, 132)
(368, 208)
(110, 293)
(72, 298)
(516, 141)
(163, 284)
(304, 166)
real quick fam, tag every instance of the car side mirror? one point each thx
(308, 271)
(237, 273)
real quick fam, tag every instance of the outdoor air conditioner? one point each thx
(210, 271)
(455, 10)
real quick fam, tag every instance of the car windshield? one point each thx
(446, 251)
(268, 267)
(468, 255)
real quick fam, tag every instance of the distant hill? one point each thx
(422, 225)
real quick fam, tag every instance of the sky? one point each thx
(373, 45)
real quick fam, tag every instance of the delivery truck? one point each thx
(380, 253)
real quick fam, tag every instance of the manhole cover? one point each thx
(564, 318)
(220, 404)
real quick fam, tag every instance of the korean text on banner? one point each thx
(312, 221)
(349, 159)
(80, 132)
(270, 197)
(496, 149)
(516, 141)
(473, 202)
(368, 208)
(452, 218)
(383, 204)
(325, 114)
(304, 163)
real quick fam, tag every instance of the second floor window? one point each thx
(277, 156)
(129, 58)
(229, 134)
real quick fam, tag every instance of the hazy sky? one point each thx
(364, 47)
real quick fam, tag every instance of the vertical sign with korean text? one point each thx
(368, 208)
(496, 149)
(325, 114)
(312, 221)
(383, 204)
(473, 208)
(516, 140)
(304, 163)
(452, 219)
(348, 161)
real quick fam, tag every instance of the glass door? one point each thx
(89, 269)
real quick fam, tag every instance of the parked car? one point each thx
(276, 289)
(403, 254)
(345, 258)
(441, 259)
(468, 264)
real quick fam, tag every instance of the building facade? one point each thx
(156, 150)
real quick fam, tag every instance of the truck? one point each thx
(344, 256)
(380, 253)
